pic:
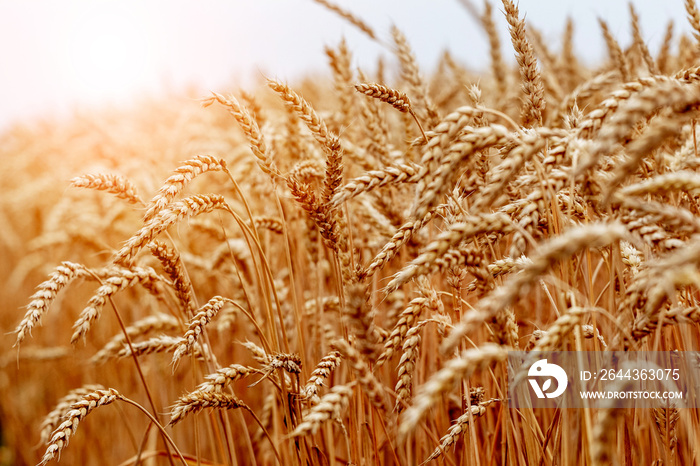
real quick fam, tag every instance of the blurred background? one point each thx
(61, 56)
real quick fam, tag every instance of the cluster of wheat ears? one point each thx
(335, 274)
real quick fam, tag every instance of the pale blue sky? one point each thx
(55, 55)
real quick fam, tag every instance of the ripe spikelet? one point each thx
(149, 324)
(341, 63)
(603, 439)
(331, 406)
(54, 418)
(318, 213)
(691, 9)
(458, 368)
(114, 184)
(446, 155)
(398, 333)
(396, 99)
(407, 365)
(306, 113)
(120, 279)
(594, 235)
(172, 264)
(195, 327)
(557, 331)
(401, 173)
(196, 401)
(273, 224)
(639, 42)
(257, 353)
(392, 248)
(664, 56)
(498, 67)
(375, 128)
(686, 181)
(372, 387)
(526, 148)
(74, 416)
(458, 428)
(334, 174)
(616, 54)
(251, 130)
(666, 420)
(429, 301)
(161, 344)
(646, 325)
(411, 74)
(254, 108)
(165, 218)
(220, 379)
(289, 362)
(183, 174)
(360, 319)
(455, 234)
(323, 370)
(348, 16)
(45, 295)
(530, 76)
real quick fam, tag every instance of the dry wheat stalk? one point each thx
(556, 249)
(161, 344)
(639, 42)
(306, 113)
(149, 324)
(392, 248)
(531, 79)
(664, 56)
(114, 184)
(498, 67)
(407, 364)
(46, 293)
(175, 269)
(460, 367)
(411, 74)
(168, 216)
(330, 407)
(691, 9)
(251, 130)
(616, 54)
(351, 18)
(454, 235)
(320, 374)
(199, 400)
(55, 417)
(406, 321)
(119, 280)
(182, 176)
(73, 417)
(372, 387)
(458, 428)
(195, 326)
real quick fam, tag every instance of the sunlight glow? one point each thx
(109, 54)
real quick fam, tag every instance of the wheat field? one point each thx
(333, 271)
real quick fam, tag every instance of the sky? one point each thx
(58, 56)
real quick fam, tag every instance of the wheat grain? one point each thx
(199, 400)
